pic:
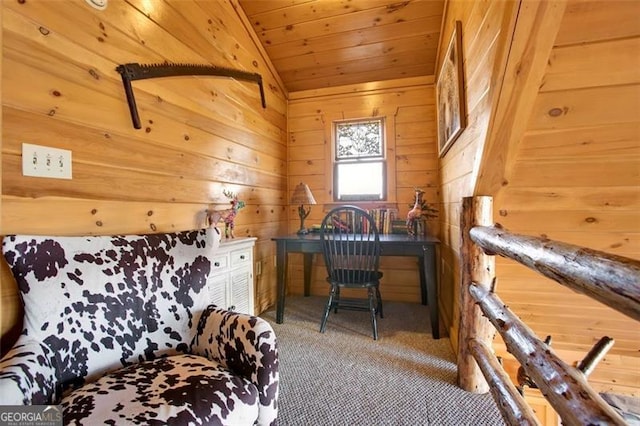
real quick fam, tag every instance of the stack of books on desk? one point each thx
(383, 218)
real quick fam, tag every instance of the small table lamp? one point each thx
(302, 195)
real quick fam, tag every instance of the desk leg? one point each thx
(430, 272)
(423, 280)
(281, 276)
(308, 263)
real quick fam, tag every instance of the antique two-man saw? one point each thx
(134, 71)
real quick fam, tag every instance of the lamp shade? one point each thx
(302, 195)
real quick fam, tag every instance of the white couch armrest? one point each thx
(246, 345)
(27, 376)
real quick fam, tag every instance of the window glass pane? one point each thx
(360, 139)
(360, 181)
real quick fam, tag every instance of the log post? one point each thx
(479, 268)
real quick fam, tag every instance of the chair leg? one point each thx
(336, 300)
(372, 309)
(327, 309)
(379, 302)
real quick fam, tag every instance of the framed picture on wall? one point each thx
(450, 99)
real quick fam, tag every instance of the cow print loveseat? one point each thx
(118, 330)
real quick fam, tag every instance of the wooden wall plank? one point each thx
(297, 13)
(587, 21)
(356, 77)
(587, 65)
(577, 173)
(376, 16)
(366, 53)
(190, 158)
(559, 199)
(606, 141)
(262, 6)
(123, 184)
(370, 87)
(576, 108)
(421, 26)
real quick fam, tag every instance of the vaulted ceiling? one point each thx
(324, 43)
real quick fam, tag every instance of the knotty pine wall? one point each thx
(199, 136)
(485, 32)
(407, 106)
(576, 178)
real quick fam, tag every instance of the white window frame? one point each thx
(377, 159)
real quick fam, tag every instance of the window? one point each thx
(359, 172)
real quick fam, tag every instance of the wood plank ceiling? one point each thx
(325, 43)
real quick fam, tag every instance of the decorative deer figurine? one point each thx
(415, 213)
(226, 215)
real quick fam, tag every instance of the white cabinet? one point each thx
(230, 283)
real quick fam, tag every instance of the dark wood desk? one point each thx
(424, 248)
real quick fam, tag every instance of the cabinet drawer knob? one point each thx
(242, 257)
(216, 264)
(232, 308)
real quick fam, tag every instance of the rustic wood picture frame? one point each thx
(450, 96)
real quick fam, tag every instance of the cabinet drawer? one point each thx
(219, 263)
(240, 257)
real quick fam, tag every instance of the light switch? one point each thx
(44, 161)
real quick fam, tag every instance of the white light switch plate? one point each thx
(44, 161)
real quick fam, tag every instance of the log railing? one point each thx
(612, 280)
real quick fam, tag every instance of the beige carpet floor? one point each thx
(344, 377)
